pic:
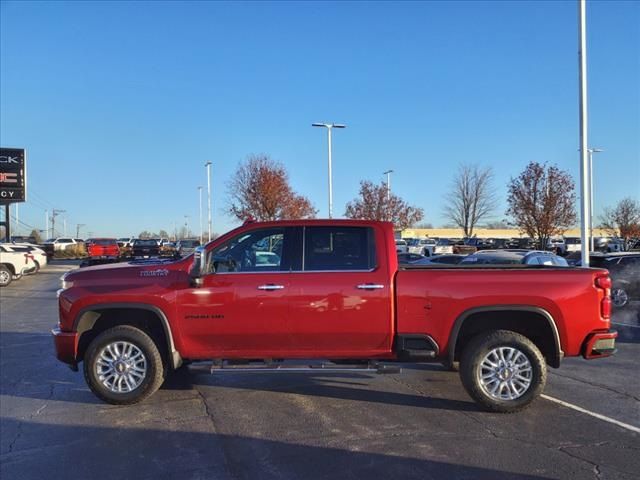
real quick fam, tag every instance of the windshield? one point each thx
(443, 242)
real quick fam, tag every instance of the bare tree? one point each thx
(260, 190)
(472, 197)
(375, 204)
(623, 220)
(542, 201)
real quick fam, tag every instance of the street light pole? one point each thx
(329, 127)
(208, 165)
(585, 202)
(200, 203)
(591, 152)
(388, 174)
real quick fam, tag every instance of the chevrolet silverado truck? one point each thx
(280, 292)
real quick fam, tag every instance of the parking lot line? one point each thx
(593, 414)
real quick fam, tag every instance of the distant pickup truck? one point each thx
(331, 290)
(145, 248)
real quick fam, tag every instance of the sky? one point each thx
(120, 104)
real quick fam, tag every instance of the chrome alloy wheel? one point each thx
(619, 297)
(505, 373)
(5, 277)
(121, 367)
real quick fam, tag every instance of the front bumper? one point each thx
(66, 345)
(600, 345)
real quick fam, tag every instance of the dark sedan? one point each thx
(624, 269)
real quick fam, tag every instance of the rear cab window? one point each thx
(335, 248)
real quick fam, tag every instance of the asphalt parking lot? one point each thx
(419, 424)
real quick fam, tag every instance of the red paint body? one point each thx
(323, 314)
(103, 247)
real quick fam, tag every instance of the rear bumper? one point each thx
(600, 345)
(66, 345)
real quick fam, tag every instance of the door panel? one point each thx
(330, 314)
(231, 316)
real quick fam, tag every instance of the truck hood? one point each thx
(128, 274)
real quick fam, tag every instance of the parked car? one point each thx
(421, 246)
(187, 246)
(335, 293)
(406, 258)
(460, 248)
(168, 249)
(13, 265)
(624, 269)
(102, 250)
(573, 244)
(557, 246)
(61, 243)
(443, 245)
(478, 243)
(125, 241)
(524, 243)
(22, 239)
(145, 248)
(39, 255)
(401, 246)
(515, 257)
(446, 259)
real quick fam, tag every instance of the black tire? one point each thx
(155, 368)
(5, 276)
(470, 370)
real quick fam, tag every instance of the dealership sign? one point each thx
(13, 175)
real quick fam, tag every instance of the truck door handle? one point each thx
(370, 286)
(270, 286)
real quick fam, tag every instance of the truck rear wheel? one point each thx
(123, 366)
(503, 371)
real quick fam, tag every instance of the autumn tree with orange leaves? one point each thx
(375, 203)
(542, 201)
(260, 190)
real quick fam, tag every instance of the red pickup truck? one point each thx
(328, 289)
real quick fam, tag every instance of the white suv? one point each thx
(14, 264)
(61, 243)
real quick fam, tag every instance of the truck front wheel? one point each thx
(123, 366)
(503, 371)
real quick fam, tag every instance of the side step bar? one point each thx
(223, 366)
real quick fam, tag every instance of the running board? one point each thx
(279, 367)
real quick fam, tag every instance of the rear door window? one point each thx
(339, 248)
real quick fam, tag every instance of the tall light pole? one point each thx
(200, 209)
(585, 202)
(46, 224)
(329, 127)
(591, 152)
(78, 225)
(208, 166)
(388, 174)
(186, 226)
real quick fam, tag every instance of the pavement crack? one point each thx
(597, 385)
(221, 438)
(596, 468)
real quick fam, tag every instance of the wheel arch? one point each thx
(87, 318)
(499, 317)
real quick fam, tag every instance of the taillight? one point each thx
(604, 283)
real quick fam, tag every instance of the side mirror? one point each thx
(198, 267)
